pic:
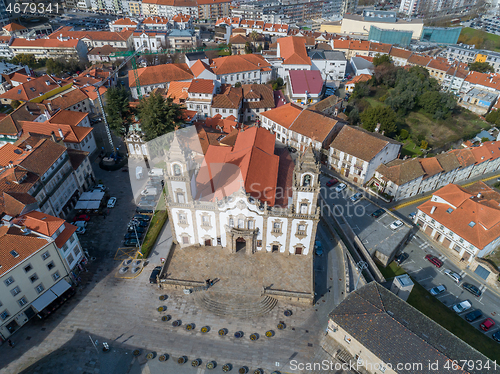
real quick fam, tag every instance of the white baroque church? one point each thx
(242, 193)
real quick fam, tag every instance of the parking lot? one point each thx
(375, 233)
(430, 276)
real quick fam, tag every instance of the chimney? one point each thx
(47, 82)
(433, 209)
(479, 195)
(61, 134)
(336, 112)
(53, 136)
(377, 128)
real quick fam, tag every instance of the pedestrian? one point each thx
(10, 343)
(207, 282)
(211, 283)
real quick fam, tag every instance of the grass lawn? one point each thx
(374, 102)
(471, 33)
(157, 222)
(422, 300)
(410, 149)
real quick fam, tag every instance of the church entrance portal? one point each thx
(240, 244)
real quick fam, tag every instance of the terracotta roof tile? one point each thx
(40, 222)
(205, 86)
(431, 166)
(264, 92)
(230, 97)
(314, 125)
(283, 115)
(13, 27)
(67, 99)
(360, 143)
(293, 51)
(161, 74)
(401, 53)
(420, 60)
(238, 64)
(178, 91)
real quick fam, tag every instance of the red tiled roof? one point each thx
(283, 115)
(125, 22)
(161, 74)
(44, 43)
(360, 78)
(419, 60)
(40, 222)
(13, 27)
(401, 53)
(238, 64)
(484, 79)
(71, 134)
(293, 51)
(358, 45)
(431, 166)
(205, 86)
(242, 162)
(477, 220)
(68, 117)
(178, 91)
(67, 99)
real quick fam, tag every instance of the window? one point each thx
(185, 240)
(231, 222)
(65, 247)
(472, 223)
(347, 339)
(303, 208)
(34, 278)
(77, 251)
(277, 225)
(177, 170)
(22, 301)
(51, 265)
(205, 220)
(70, 258)
(307, 181)
(39, 289)
(4, 315)
(9, 281)
(56, 276)
(241, 224)
(28, 268)
(180, 198)
(250, 225)
(15, 291)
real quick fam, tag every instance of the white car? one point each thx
(101, 187)
(80, 230)
(462, 307)
(396, 225)
(111, 202)
(340, 187)
(455, 276)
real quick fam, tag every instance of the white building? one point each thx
(356, 153)
(331, 64)
(237, 213)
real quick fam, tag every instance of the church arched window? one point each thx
(177, 170)
(307, 181)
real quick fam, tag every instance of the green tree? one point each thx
(361, 89)
(424, 144)
(54, 67)
(237, 84)
(481, 67)
(254, 35)
(248, 48)
(381, 59)
(25, 59)
(403, 134)
(158, 116)
(384, 115)
(485, 139)
(117, 110)
(493, 117)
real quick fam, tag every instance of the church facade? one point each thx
(243, 194)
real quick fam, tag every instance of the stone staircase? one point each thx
(236, 306)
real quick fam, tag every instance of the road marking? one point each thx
(421, 280)
(479, 301)
(413, 271)
(462, 273)
(482, 287)
(411, 202)
(409, 262)
(445, 294)
(442, 257)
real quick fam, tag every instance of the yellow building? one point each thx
(360, 25)
(481, 58)
(134, 7)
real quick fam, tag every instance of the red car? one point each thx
(434, 260)
(332, 182)
(487, 324)
(82, 217)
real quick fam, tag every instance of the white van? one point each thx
(138, 172)
(151, 191)
(156, 172)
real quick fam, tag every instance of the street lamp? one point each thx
(361, 265)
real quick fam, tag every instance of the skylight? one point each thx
(14, 253)
(19, 91)
(472, 224)
(449, 210)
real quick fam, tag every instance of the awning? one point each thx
(44, 300)
(60, 287)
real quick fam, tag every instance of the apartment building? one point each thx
(92, 39)
(356, 153)
(49, 48)
(213, 9)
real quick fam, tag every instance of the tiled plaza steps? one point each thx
(235, 306)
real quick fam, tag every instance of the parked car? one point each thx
(82, 217)
(396, 225)
(455, 276)
(412, 215)
(80, 230)
(144, 211)
(401, 258)
(378, 213)
(138, 223)
(142, 217)
(292, 150)
(472, 289)
(146, 204)
(340, 187)
(434, 260)
(131, 243)
(101, 187)
(437, 290)
(131, 235)
(472, 316)
(332, 182)
(137, 228)
(487, 324)
(462, 306)
(356, 197)
(496, 336)
(111, 202)
(153, 278)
